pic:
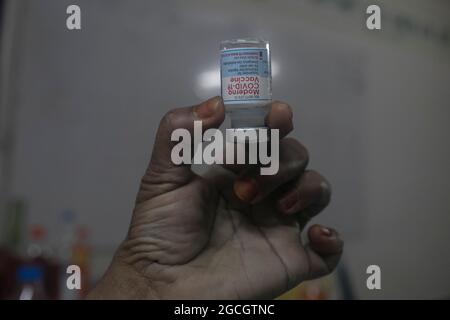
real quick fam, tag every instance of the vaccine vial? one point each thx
(246, 81)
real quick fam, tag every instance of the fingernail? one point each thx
(208, 108)
(325, 231)
(246, 190)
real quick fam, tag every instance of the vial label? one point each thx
(245, 74)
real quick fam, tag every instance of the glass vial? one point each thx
(246, 81)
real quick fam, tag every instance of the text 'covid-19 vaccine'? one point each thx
(246, 81)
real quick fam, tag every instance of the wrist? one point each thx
(122, 281)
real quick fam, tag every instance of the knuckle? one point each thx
(304, 154)
(326, 193)
(320, 186)
(282, 106)
(169, 118)
(177, 118)
(298, 152)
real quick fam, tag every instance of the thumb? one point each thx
(162, 175)
(324, 250)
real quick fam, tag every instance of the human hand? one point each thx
(231, 234)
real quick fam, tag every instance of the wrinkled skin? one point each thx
(230, 234)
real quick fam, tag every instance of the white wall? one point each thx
(372, 108)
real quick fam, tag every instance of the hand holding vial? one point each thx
(231, 234)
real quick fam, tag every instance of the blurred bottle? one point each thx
(31, 286)
(13, 225)
(38, 247)
(81, 254)
(40, 253)
(66, 236)
(66, 240)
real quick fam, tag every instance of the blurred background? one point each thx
(79, 111)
